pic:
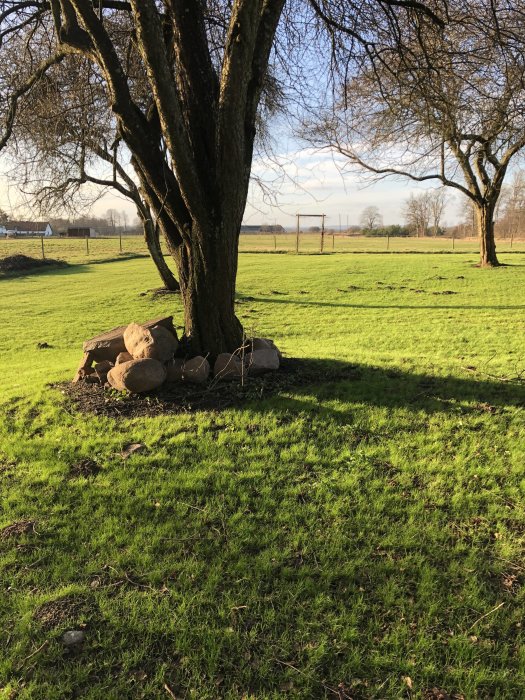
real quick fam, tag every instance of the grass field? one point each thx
(348, 539)
(98, 249)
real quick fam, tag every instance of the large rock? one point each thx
(137, 375)
(157, 343)
(261, 361)
(196, 370)
(228, 367)
(109, 344)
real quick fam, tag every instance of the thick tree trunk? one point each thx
(487, 242)
(151, 236)
(207, 264)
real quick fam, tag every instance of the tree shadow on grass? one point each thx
(310, 384)
(332, 304)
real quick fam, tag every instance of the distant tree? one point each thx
(513, 206)
(4, 218)
(437, 202)
(370, 218)
(417, 212)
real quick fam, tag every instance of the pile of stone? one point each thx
(141, 357)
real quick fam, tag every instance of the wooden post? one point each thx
(120, 239)
(453, 239)
(275, 243)
(87, 244)
(388, 240)
(297, 237)
(333, 242)
(322, 233)
(42, 244)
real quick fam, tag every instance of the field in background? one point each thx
(97, 249)
(361, 536)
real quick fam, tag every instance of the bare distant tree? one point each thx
(437, 201)
(513, 206)
(418, 212)
(438, 101)
(371, 218)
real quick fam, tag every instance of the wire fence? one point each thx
(90, 250)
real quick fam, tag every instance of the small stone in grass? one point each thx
(72, 638)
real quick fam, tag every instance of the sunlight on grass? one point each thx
(330, 541)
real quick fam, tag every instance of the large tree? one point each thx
(190, 126)
(440, 101)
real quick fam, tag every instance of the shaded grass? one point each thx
(332, 540)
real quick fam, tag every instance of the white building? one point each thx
(26, 228)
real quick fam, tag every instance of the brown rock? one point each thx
(265, 344)
(261, 361)
(84, 367)
(108, 345)
(228, 367)
(137, 375)
(102, 369)
(196, 370)
(174, 370)
(157, 343)
(123, 357)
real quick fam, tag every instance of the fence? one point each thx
(79, 250)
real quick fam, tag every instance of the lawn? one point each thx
(350, 538)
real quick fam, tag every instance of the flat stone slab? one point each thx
(108, 345)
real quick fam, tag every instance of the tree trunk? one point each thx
(207, 264)
(487, 243)
(151, 236)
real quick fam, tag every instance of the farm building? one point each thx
(81, 232)
(262, 228)
(26, 228)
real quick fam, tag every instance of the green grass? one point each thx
(103, 249)
(332, 541)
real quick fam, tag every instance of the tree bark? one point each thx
(151, 236)
(487, 242)
(207, 266)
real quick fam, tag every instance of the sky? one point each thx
(295, 180)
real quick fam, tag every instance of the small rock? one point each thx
(196, 370)
(137, 375)
(228, 367)
(72, 638)
(262, 361)
(102, 369)
(265, 344)
(123, 357)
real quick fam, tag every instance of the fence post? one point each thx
(120, 239)
(87, 244)
(297, 237)
(42, 244)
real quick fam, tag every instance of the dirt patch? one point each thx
(94, 399)
(85, 468)
(24, 263)
(56, 612)
(21, 527)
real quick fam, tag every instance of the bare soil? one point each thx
(94, 399)
(24, 263)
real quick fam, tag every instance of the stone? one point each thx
(261, 361)
(156, 343)
(123, 357)
(195, 371)
(109, 344)
(228, 367)
(73, 638)
(102, 369)
(137, 376)
(175, 370)
(265, 344)
(84, 367)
